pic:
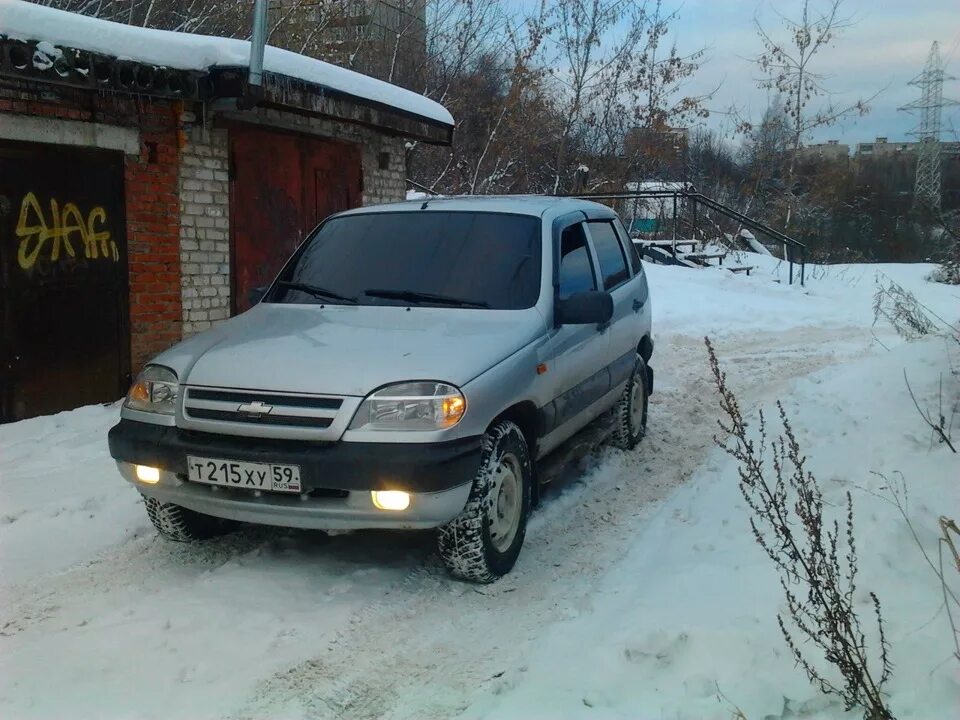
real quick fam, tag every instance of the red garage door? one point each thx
(283, 184)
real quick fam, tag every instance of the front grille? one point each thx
(238, 396)
(262, 419)
(252, 408)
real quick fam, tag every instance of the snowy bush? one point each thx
(901, 309)
(817, 577)
(948, 272)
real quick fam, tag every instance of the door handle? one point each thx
(637, 304)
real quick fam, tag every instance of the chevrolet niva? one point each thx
(412, 366)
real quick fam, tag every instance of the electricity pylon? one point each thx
(926, 192)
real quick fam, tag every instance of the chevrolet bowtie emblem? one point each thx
(255, 408)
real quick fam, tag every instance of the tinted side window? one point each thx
(613, 265)
(576, 269)
(632, 252)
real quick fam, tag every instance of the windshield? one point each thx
(431, 258)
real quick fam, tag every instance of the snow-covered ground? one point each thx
(639, 593)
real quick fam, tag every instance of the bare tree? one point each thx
(587, 56)
(658, 107)
(788, 65)
(503, 113)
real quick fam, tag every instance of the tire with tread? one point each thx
(465, 543)
(627, 432)
(179, 524)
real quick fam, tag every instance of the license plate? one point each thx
(246, 475)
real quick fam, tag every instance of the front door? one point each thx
(575, 354)
(283, 185)
(63, 279)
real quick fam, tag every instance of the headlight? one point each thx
(411, 406)
(154, 391)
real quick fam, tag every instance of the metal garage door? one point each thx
(63, 268)
(283, 184)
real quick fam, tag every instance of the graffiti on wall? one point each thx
(58, 230)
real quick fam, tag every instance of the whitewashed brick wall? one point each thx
(204, 229)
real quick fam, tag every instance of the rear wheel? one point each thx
(483, 542)
(631, 409)
(182, 525)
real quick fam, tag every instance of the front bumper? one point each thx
(351, 511)
(336, 477)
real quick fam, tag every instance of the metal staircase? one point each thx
(695, 210)
(669, 252)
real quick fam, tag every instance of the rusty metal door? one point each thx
(333, 176)
(282, 186)
(63, 271)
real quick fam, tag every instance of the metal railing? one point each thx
(794, 251)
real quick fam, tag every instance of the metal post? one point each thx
(258, 39)
(695, 225)
(803, 264)
(674, 224)
(790, 258)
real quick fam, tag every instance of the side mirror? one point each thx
(255, 295)
(585, 308)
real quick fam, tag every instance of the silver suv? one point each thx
(415, 365)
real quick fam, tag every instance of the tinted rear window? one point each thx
(613, 265)
(486, 258)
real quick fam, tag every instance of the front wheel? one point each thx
(631, 409)
(482, 543)
(182, 525)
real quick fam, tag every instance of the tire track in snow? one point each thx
(428, 646)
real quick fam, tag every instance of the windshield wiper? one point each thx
(317, 292)
(418, 297)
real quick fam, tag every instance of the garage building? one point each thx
(146, 187)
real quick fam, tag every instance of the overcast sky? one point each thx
(886, 46)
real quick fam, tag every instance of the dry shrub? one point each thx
(817, 561)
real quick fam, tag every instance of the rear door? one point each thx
(617, 278)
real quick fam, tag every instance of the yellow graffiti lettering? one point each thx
(25, 256)
(108, 248)
(72, 222)
(35, 233)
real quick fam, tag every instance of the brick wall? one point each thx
(204, 229)
(153, 235)
(151, 189)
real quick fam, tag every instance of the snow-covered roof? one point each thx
(658, 185)
(22, 20)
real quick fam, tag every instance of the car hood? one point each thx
(350, 350)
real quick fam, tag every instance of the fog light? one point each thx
(391, 499)
(148, 474)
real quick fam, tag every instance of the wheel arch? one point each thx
(645, 348)
(526, 416)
